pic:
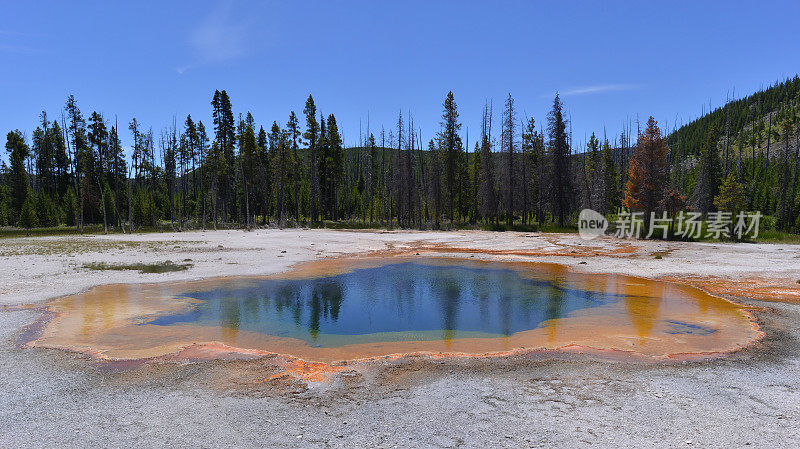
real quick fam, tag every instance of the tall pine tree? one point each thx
(562, 191)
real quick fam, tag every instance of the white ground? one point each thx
(35, 269)
(55, 399)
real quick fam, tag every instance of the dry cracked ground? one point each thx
(52, 398)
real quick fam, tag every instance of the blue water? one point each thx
(399, 301)
(679, 327)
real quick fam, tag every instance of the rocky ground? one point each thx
(51, 398)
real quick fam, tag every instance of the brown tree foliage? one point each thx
(647, 173)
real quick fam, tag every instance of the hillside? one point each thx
(736, 119)
(757, 142)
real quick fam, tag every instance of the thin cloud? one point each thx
(218, 38)
(10, 42)
(598, 89)
(10, 48)
(4, 32)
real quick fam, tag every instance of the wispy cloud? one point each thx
(5, 32)
(218, 38)
(10, 42)
(20, 49)
(598, 89)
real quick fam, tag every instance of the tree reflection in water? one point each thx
(399, 301)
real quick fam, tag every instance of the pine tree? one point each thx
(673, 203)
(98, 139)
(119, 170)
(731, 196)
(487, 205)
(450, 142)
(591, 173)
(18, 152)
(43, 148)
(133, 177)
(435, 181)
(475, 182)
(170, 157)
(312, 135)
(278, 156)
(335, 164)
(77, 131)
(225, 136)
(249, 158)
(188, 154)
(27, 216)
(96, 160)
(562, 191)
(404, 182)
(531, 156)
(611, 196)
(373, 175)
(784, 221)
(61, 159)
(146, 206)
(509, 148)
(397, 172)
(217, 165)
(6, 215)
(202, 157)
(796, 164)
(265, 172)
(47, 213)
(648, 172)
(323, 170)
(293, 127)
(708, 175)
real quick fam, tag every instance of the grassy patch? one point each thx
(553, 227)
(502, 227)
(767, 234)
(159, 267)
(64, 247)
(14, 232)
(771, 236)
(351, 225)
(94, 229)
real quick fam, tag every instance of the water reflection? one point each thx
(401, 301)
(400, 305)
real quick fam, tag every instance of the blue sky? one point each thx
(610, 60)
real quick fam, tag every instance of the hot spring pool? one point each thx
(392, 302)
(371, 307)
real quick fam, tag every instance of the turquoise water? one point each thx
(394, 302)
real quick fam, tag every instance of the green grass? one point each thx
(553, 227)
(772, 236)
(68, 247)
(159, 267)
(502, 227)
(53, 231)
(447, 226)
(768, 235)
(94, 229)
(352, 225)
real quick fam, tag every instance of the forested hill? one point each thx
(228, 172)
(739, 115)
(752, 145)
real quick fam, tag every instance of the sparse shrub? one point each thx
(158, 267)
